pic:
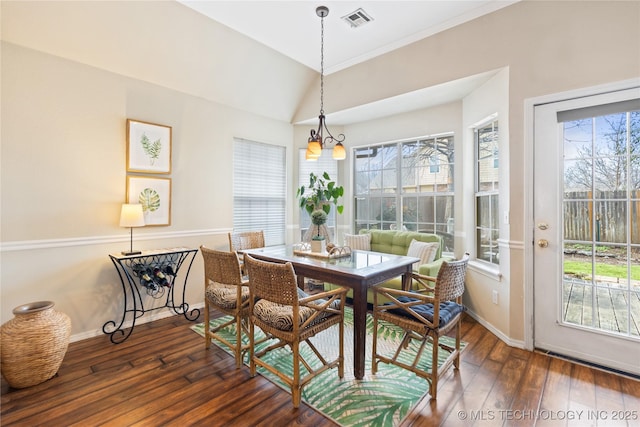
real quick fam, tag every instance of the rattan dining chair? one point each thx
(431, 309)
(291, 317)
(239, 240)
(228, 292)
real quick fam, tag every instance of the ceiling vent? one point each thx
(357, 18)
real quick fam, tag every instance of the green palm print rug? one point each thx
(383, 399)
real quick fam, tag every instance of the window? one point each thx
(486, 192)
(434, 164)
(259, 189)
(325, 163)
(407, 185)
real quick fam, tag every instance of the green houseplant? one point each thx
(316, 199)
(324, 192)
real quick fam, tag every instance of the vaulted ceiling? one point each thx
(354, 30)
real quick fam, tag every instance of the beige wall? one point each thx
(72, 72)
(492, 98)
(548, 47)
(64, 179)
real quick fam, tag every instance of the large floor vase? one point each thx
(34, 344)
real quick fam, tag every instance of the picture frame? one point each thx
(148, 147)
(154, 194)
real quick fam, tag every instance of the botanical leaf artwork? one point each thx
(149, 199)
(151, 149)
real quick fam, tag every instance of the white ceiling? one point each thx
(293, 28)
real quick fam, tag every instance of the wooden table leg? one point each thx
(300, 280)
(359, 330)
(406, 279)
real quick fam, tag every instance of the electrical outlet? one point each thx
(494, 297)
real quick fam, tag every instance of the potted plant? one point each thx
(324, 192)
(321, 193)
(318, 243)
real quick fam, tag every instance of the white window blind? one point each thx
(259, 189)
(326, 163)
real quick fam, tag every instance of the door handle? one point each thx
(543, 243)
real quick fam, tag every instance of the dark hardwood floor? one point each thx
(163, 375)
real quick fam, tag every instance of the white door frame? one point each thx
(529, 106)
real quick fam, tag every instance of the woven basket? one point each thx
(33, 344)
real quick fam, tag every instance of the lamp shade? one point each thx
(310, 156)
(314, 147)
(339, 153)
(131, 215)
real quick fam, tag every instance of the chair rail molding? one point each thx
(25, 245)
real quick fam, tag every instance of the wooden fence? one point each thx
(604, 219)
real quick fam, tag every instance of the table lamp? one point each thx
(131, 216)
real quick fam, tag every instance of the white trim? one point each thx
(501, 336)
(487, 269)
(403, 140)
(490, 118)
(529, 111)
(161, 314)
(510, 244)
(24, 245)
(492, 271)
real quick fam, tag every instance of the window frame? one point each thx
(387, 207)
(489, 196)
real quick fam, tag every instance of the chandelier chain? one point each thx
(322, 65)
(317, 141)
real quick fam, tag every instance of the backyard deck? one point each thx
(611, 308)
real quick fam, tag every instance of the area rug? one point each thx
(384, 399)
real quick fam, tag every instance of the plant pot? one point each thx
(34, 344)
(319, 246)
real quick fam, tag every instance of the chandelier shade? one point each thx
(318, 141)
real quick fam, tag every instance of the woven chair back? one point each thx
(246, 240)
(221, 267)
(450, 280)
(272, 281)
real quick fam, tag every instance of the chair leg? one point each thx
(295, 385)
(207, 315)
(238, 349)
(374, 345)
(456, 361)
(341, 350)
(252, 350)
(433, 386)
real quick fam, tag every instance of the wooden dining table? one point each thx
(359, 271)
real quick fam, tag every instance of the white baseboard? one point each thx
(510, 342)
(155, 315)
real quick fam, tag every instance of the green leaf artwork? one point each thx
(149, 199)
(151, 149)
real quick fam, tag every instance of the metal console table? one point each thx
(155, 273)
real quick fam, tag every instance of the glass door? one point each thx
(587, 236)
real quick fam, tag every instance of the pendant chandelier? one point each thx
(317, 141)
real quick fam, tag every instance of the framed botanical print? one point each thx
(148, 147)
(154, 194)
